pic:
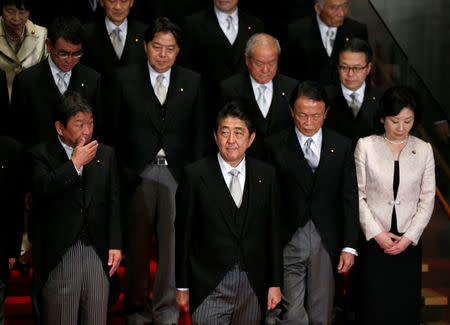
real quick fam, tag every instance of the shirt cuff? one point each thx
(350, 250)
(183, 289)
(79, 171)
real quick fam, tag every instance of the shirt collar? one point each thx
(324, 27)
(317, 138)
(255, 84)
(359, 92)
(225, 167)
(55, 70)
(154, 75)
(222, 16)
(68, 149)
(110, 26)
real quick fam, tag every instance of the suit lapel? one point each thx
(131, 41)
(217, 187)
(105, 44)
(297, 162)
(316, 40)
(57, 155)
(90, 173)
(326, 154)
(177, 89)
(147, 93)
(49, 82)
(255, 112)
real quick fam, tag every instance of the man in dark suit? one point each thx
(115, 40)
(266, 91)
(12, 203)
(215, 41)
(76, 212)
(160, 110)
(320, 206)
(37, 89)
(354, 102)
(227, 230)
(314, 42)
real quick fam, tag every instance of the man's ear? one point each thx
(59, 128)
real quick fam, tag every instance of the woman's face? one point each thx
(15, 18)
(398, 127)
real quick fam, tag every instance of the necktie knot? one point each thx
(235, 187)
(262, 101)
(116, 40)
(354, 104)
(310, 156)
(329, 41)
(231, 30)
(160, 90)
(234, 172)
(61, 82)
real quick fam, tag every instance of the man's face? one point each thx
(353, 69)
(308, 115)
(227, 6)
(117, 10)
(162, 51)
(333, 12)
(263, 63)
(233, 139)
(79, 129)
(64, 54)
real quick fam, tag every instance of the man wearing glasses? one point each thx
(319, 204)
(37, 89)
(353, 101)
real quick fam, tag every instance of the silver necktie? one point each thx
(310, 156)
(160, 90)
(262, 102)
(231, 30)
(116, 40)
(235, 187)
(354, 104)
(330, 41)
(61, 83)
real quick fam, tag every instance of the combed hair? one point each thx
(357, 45)
(261, 38)
(163, 25)
(27, 4)
(311, 90)
(235, 108)
(68, 28)
(70, 104)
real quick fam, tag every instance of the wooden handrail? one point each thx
(443, 202)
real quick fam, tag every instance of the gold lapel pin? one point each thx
(136, 40)
(249, 27)
(98, 161)
(3, 166)
(181, 89)
(414, 152)
(283, 93)
(259, 181)
(331, 150)
(347, 39)
(82, 84)
(33, 32)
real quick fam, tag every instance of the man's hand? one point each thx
(386, 239)
(399, 246)
(83, 154)
(183, 300)
(114, 258)
(346, 261)
(11, 262)
(273, 297)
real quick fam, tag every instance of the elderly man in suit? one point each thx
(320, 206)
(266, 91)
(76, 212)
(215, 40)
(12, 203)
(228, 251)
(354, 102)
(37, 89)
(115, 40)
(160, 109)
(313, 42)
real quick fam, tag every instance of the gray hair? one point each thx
(321, 3)
(261, 39)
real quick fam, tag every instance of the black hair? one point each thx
(235, 108)
(311, 90)
(67, 27)
(357, 45)
(394, 100)
(18, 3)
(70, 104)
(163, 25)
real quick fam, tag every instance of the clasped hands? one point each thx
(392, 244)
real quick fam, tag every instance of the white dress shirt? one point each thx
(55, 70)
(268, 94)
(225, 169)
(123, 29)
(69, 152)
(359, 93)
(323, 30)
(316, 145)
(222, 19)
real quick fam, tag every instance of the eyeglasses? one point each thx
(305, 117)
(66, 55)
(355, 69)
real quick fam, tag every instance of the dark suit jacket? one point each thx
(333, 202)
(207, 50)
(279, 116)
(306, 57)
(4, 102)
(140, 126)
(11, 200)
(208, 243)
(340, 117)
(99, 53)
(60, 208)
(35, 94)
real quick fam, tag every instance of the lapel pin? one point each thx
(249, 27)
(98, 161)
(181, 89)
(283, 93)
(331, 150)
(346, 39)
(414, 152)
(374, 98)
(82, 84)
(259, 181)
(3, 166)
(33, 32)
(136, 40)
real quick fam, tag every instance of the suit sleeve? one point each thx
(184, 220)
(350, 200)
(115, 220)
(276, 253)
(369, 226)
(426, 200)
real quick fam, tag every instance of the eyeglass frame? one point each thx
(66, 55)
(356, 69)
